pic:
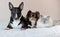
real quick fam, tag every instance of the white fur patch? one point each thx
(48, 24)
(32, 22)
(15, 24)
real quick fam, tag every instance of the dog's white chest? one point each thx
(15, 24)
(32, 22)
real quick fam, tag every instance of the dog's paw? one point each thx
(7, 28)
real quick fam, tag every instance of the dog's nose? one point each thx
(16, 18)
(32, 15)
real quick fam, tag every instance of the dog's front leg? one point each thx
(19, 23)
(11, 22)
(35, 25)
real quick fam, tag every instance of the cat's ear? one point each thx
(48, 17)
(41, 16)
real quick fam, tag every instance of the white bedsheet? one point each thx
(38, 32)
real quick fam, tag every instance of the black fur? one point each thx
(14, 11)
(17, 10)
(24, 23)
(34, 15)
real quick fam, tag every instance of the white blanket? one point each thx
(38, 32)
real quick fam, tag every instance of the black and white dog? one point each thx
(33, 18)
(17, 15)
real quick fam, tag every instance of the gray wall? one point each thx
(45, 7)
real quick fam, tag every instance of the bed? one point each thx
(35, 32)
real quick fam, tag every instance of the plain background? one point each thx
(45, 7)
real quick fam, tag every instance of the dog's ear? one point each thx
(37, 14)
(21, 5)
(29, 13)
(10, 6)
